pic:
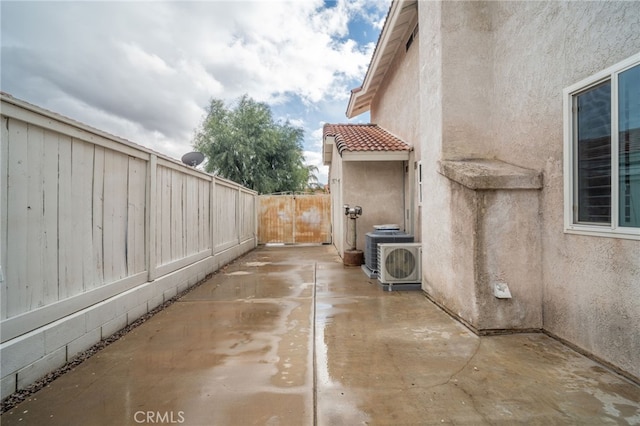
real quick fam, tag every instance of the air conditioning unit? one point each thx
(382, 234)
(399, 263)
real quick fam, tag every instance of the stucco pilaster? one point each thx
(495, 227)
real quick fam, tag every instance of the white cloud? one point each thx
(146, 70)
(144, 61)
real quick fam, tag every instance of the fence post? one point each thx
(4, 167)
(255, 219)
(213, 215)
(151, 216)
(239, 215)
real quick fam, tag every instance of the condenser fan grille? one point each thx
(400, 263)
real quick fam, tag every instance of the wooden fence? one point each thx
(294, 219)
(86, 217)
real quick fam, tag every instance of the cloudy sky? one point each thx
(146, 70)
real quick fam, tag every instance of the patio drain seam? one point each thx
(313, 348)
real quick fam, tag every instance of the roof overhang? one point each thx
(402, 18)
(327, 149)
(375, 156)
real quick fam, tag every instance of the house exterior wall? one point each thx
(366, 184)
(336, 189)
(591, 285)
(482, 95)
(396, 108)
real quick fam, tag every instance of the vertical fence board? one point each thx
(248, 217)
(35, 218)
(97, 217)
(173, 203)
(165, 213)
(75, 248)
(4, 154)
(151, 217)
(195, 215)
(50, 217)
(85, 209)
(159, 212)
(190, 222)
(226, 208)
(204, 220)
(16, 273)
(82, 200)
(65, 218)
(242, 203)
(136, 199)
(178, 204)
(115, 214)
(186, 214)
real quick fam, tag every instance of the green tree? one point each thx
(244, 144)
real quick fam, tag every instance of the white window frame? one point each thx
(419, 178)
(611, 230)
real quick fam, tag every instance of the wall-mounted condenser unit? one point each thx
(399, 263)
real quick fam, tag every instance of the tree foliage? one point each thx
(244, 144)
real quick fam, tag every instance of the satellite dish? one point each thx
(193, 158)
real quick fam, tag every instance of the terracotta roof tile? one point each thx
(363, 137)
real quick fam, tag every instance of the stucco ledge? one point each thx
(479, 174)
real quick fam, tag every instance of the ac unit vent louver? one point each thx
(399, 263)
(373, 239)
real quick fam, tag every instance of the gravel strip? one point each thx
(17, 397)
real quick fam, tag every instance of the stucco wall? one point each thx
(376, 186)
(439, 272)
(335, 185)
(466, 80)
(491, 77)
(509, 252)
(396, 108)
(591, 285)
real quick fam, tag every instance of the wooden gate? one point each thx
(294, 219)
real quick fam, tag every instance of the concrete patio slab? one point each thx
(289, 336)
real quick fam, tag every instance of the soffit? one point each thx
(401, 16)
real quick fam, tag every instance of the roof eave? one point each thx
(375, 155)
(361, 97)
(327, 149)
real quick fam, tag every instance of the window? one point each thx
(602, 153)
(419, 178)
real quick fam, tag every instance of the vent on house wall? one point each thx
(412, 36)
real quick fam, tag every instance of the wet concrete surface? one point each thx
(289, 336)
